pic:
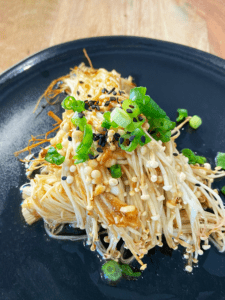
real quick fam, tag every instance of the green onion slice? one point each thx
(116, 171)
(53, 157)
(220, 159)
(195, 122)
(120, 117)
(70, 103)
(81, 122)
(182, 113)
(132, 107)
(111, 270)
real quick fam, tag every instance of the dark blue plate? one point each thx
(33, 266)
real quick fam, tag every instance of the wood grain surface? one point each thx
(28, 26)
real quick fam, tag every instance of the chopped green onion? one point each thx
(138, 133)
(223, 190)
(116, 171)
(81, 122)
(71, 103)
(182, 113)
(120, 117)
(111, 270)
(59, 146)
(87, 141)
(131, 107)
(220, 159)
(193, 159)
(54, 157)
(126, 270)
(147, 105)
(195, 122)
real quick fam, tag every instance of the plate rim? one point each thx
(196, 56)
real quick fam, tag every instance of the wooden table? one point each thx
(28, 26)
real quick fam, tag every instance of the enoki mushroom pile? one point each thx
(158, 192)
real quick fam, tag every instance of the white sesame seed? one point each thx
(72, 169)
(69, 179)
(113, 181)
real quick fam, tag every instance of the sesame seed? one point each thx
(197, 184)
(89, 95)
(100, 150)
(80, 115)
(91, 156)
(77, 128)
(107, 103)
(114, 93)
(131, 106)
(175, 154)
(95, 137)
(81, 82)
(93, 106)
(121, 140)
(112, 90)
(86, 106)
(97, 107)
(104, 90)
(96, 156)
(112, 98)
(131, 138)
(69, 138)
(64, 177)
(128, 132)
(91, 103)
(134, 120)
(116, 136)
(78, 93)
(143, 139)
(129, 111)
(121, 92)
(140, 118)
(104, 129)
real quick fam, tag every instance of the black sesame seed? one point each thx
(78, 93)
(121, 92)
(86, 106)
(112, 98)
(100, 150)
(116, 136)
(81, 82)
(104, 129)
(69, 138)
(129, 111)
(89, 95)
(112, 90)
(95, 137)
(93, 106)
(91, 156)
(97, 107)
(107, 103)
(112, 108)
(97, 103)
(143, 139)
(128, 132)
(63, 177)
(197, 184)
(80, 115)
(121, 140)
(131, 106)
(104, 90)
(96, 156)
(140, 118)
(77, 128)
(91, 102)
(175, 154)
(114, 93)
(131, 138)
(134, 120)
